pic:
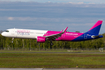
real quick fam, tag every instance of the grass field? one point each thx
(52, 50)
(50, 60)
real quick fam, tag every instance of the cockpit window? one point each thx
(6, 31)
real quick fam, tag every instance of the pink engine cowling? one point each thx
(41, 39)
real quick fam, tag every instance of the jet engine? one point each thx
(41, 39)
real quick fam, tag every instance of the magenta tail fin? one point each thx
(96, 28)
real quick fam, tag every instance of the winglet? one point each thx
(65, 29)
(61, 30)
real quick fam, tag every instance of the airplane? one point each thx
(44, 35)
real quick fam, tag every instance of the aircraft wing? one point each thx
(53, 37)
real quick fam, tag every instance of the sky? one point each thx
(78, 15)
(62, 1)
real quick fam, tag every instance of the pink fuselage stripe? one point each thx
(97, 24)
(67, 36)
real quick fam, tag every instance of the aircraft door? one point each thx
(85, 36)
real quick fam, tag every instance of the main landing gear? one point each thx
(12, 40)
(51, 43)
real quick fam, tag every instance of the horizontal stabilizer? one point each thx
(98, 36)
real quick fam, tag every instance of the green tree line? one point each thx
(31, 44)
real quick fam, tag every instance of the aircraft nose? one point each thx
(3, 33)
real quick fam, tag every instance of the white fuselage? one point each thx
(23, 33)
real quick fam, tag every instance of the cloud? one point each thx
(76, 3)
(10, 18)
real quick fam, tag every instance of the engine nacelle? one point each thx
(41, 39)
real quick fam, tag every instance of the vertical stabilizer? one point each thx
(96, 28)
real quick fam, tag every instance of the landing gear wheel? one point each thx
(51, 43)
